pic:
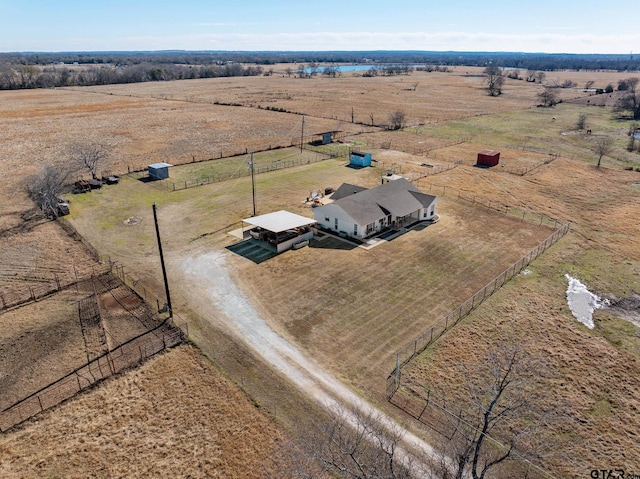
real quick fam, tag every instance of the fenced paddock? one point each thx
(107, 353)
(126, 356)
(431, 408)
(191, 175)
(426, 339)
(48, 283)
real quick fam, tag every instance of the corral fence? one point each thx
(440, 414)
(240, 173)
(124, 357)
(414, 150)
(429, 170)
(524, 215)
(129, 354)
(433, 409)
(44, 283)
(332, 151)
(524, 170)
(48, 284)
(145, 293)
(426, 339)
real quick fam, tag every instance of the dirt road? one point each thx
(208, 273)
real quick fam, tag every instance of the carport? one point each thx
(280, 230)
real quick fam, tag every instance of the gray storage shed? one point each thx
(158, 171)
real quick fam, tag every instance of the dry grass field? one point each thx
(314, 296)
(175, 416)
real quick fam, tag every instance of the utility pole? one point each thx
(302, 134)
(164, 270)
(253, 184)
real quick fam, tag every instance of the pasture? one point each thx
(347, 308)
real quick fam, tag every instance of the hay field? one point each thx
(175, 416)
(176, 121)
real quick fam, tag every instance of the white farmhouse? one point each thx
(359, 213)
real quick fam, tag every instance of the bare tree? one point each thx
(548, 97)
(331, 71)
(589, 84)
(45, 188)
(397, 120)
(540, 76)
(602, 146)
(500, 419)
(288, 71)
(357, 444)
(581, 122)
(630, 101)
(88, 155)
(494, 79)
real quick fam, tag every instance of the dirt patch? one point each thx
(626, 307)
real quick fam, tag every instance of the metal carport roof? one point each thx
(279, 221)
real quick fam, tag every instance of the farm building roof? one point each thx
(346, 189)
(159, 165)
(279, 221)
(489, 152)
(397, 197)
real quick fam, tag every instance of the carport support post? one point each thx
(164, 270)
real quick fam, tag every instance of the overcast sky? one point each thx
(551, 26)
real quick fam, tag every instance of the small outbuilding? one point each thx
(360, 158)
(158, 171)
(488, 158)
(326, 137)
(280, 230)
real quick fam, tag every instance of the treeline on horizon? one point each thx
(46, 70)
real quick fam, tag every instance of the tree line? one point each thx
(524, 61)
(19, 76)
(45, 70)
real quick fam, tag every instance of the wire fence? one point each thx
(308, 143)
(433, 409)
(243, 172)
(126, 356)
(524, 215)
(131, 294)
(48, 284)
(526, 169)
(436, 411)
(426, 339)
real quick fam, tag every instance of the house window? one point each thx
(336, 223)
(327, 219)
(355, 229)
(371, 227)
(389, 220)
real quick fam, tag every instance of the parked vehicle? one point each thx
(82, 186)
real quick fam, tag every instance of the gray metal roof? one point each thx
(159, 165)
(346, 189)
(279, 221)
(397, 197)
